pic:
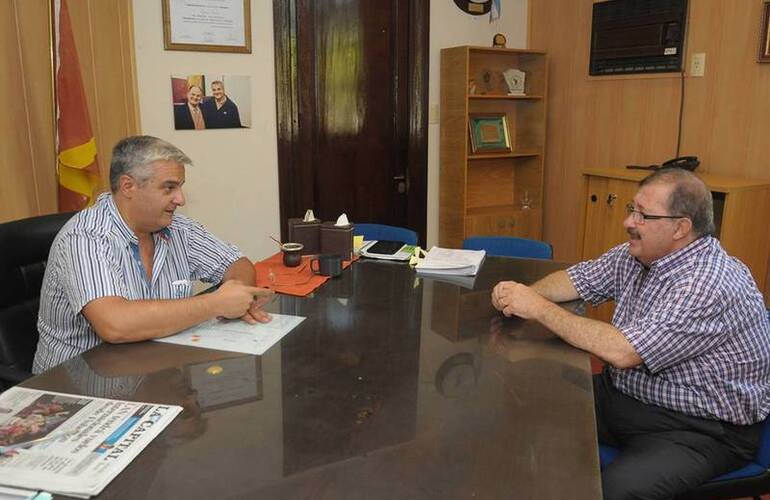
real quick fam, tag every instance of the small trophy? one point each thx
(514, 78)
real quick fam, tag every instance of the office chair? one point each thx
(752, 480)
(383, 232)
(508, 246)
(25, 245)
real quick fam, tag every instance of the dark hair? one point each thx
(689, 197)
(134, 156)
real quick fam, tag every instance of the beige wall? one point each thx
(233, 186)
(615, 121)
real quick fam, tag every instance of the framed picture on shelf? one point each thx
(489, 133)
(764, 34)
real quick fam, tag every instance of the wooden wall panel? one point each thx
(17, 182)
(104, 37)
(36, 71)
(614, 121)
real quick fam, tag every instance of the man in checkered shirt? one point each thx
(688, 350)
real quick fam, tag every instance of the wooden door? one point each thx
(351, 85)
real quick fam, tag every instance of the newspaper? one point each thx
(69, 444)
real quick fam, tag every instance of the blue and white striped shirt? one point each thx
(97, 255)
(697, 320)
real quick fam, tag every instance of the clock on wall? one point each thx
(474, 7)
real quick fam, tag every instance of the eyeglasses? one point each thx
(639, 217)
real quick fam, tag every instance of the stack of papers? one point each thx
(448, 261)
(72, 445)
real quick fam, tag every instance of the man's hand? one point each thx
(234, 299)
(513, 298)
(255, 314)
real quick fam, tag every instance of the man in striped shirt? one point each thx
(688, 348)
(121, 271)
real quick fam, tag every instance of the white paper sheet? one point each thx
(235, 335)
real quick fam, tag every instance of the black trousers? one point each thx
(662, 452)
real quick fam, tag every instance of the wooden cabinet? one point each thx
(741, 210)
(491, 194)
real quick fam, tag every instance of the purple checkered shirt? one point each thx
(698, 322)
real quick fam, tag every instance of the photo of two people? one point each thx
(211, 101)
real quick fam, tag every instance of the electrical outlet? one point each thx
(698, 64)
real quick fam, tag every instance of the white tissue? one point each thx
(309, 216)
(342, 220)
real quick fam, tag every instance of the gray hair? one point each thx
(689, 197)
(134, 156)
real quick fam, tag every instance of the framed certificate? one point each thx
(207, 25)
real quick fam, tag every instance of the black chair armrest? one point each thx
(13, 375)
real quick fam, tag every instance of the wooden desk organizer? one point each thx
(307, 233)
(337, 240)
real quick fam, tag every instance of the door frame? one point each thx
(295, 167)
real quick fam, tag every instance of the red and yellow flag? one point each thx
(75, 145)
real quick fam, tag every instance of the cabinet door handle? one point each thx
(611, 199)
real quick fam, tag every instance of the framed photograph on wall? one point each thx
(211, 101)
(489, 133)
(207, 25)
(764, 34)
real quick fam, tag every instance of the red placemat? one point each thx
(298, 281)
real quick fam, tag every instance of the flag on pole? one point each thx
(75, 145)
(494, 11)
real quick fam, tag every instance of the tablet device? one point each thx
(385, 247)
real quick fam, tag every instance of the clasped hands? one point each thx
(514, 299)
(236, 300)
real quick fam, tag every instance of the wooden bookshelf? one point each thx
(491, 194)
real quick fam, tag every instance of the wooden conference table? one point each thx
(393, 387)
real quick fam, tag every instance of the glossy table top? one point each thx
(393, 387)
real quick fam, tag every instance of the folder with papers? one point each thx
(449, 261)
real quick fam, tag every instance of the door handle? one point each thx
(611, 199)
(401, 183)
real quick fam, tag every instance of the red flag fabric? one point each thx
(75, 146)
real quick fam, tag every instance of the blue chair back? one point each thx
(508, 246)
(383, 232)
